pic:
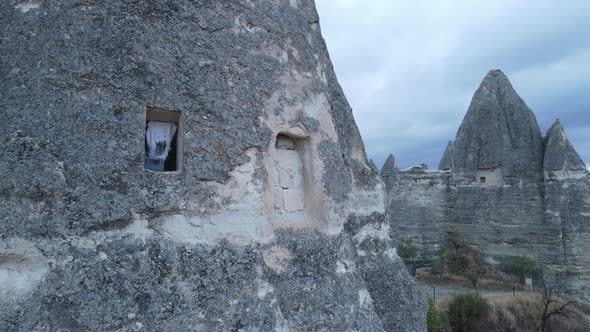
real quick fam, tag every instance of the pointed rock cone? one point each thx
(389, 167)
(499, 130)
(373, 166)
(446, 163)
(560, 154)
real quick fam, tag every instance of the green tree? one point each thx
(466, 311)
(432, 318)
(408, 252)
(440, 266)
(522, 266)
(473, 278)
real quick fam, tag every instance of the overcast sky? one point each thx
(409, 68)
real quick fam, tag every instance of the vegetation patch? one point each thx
(467, 311)
(520, 313)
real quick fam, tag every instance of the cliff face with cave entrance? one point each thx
(502, 188)
(92, 240)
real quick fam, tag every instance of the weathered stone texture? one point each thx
(505, 221)
(383, 272)
(98, 243)
(417, 205)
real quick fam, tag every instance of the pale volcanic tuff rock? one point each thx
(389, 168)
(446, 163)
(567, 203)
(389, 171)
(92, 241)
(560, 154)
(509, 192)
(498, 129)
(417, 207)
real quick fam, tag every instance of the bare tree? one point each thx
(553, 304)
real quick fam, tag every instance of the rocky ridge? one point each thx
(502, 188)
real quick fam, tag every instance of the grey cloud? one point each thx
(409, 68)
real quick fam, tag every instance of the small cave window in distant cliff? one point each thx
(490, 176)
(163, 140)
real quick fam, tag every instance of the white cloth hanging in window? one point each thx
(159, 137)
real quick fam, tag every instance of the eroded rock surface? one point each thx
(93, 241)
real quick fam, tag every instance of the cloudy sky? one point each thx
(409, 68)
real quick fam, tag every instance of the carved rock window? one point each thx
(163, 140)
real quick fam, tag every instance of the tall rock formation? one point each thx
(389, 168)
(498, 131)
(186, 165)
(560, 154)
(497, 193)
(446, 163)
(567, 203)
(505, 190)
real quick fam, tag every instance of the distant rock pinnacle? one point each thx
(446, 162)
(373, 166)
(499, 130)
(389, 167)
(560, 154)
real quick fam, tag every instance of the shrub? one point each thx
(442, 259)
(437, 269)
(522, 313)
(439, 266)
(407, 250)
(467, 310)
(408, 253)
(459, 263)
(473, 277)
(433, 320)
(464, 260)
